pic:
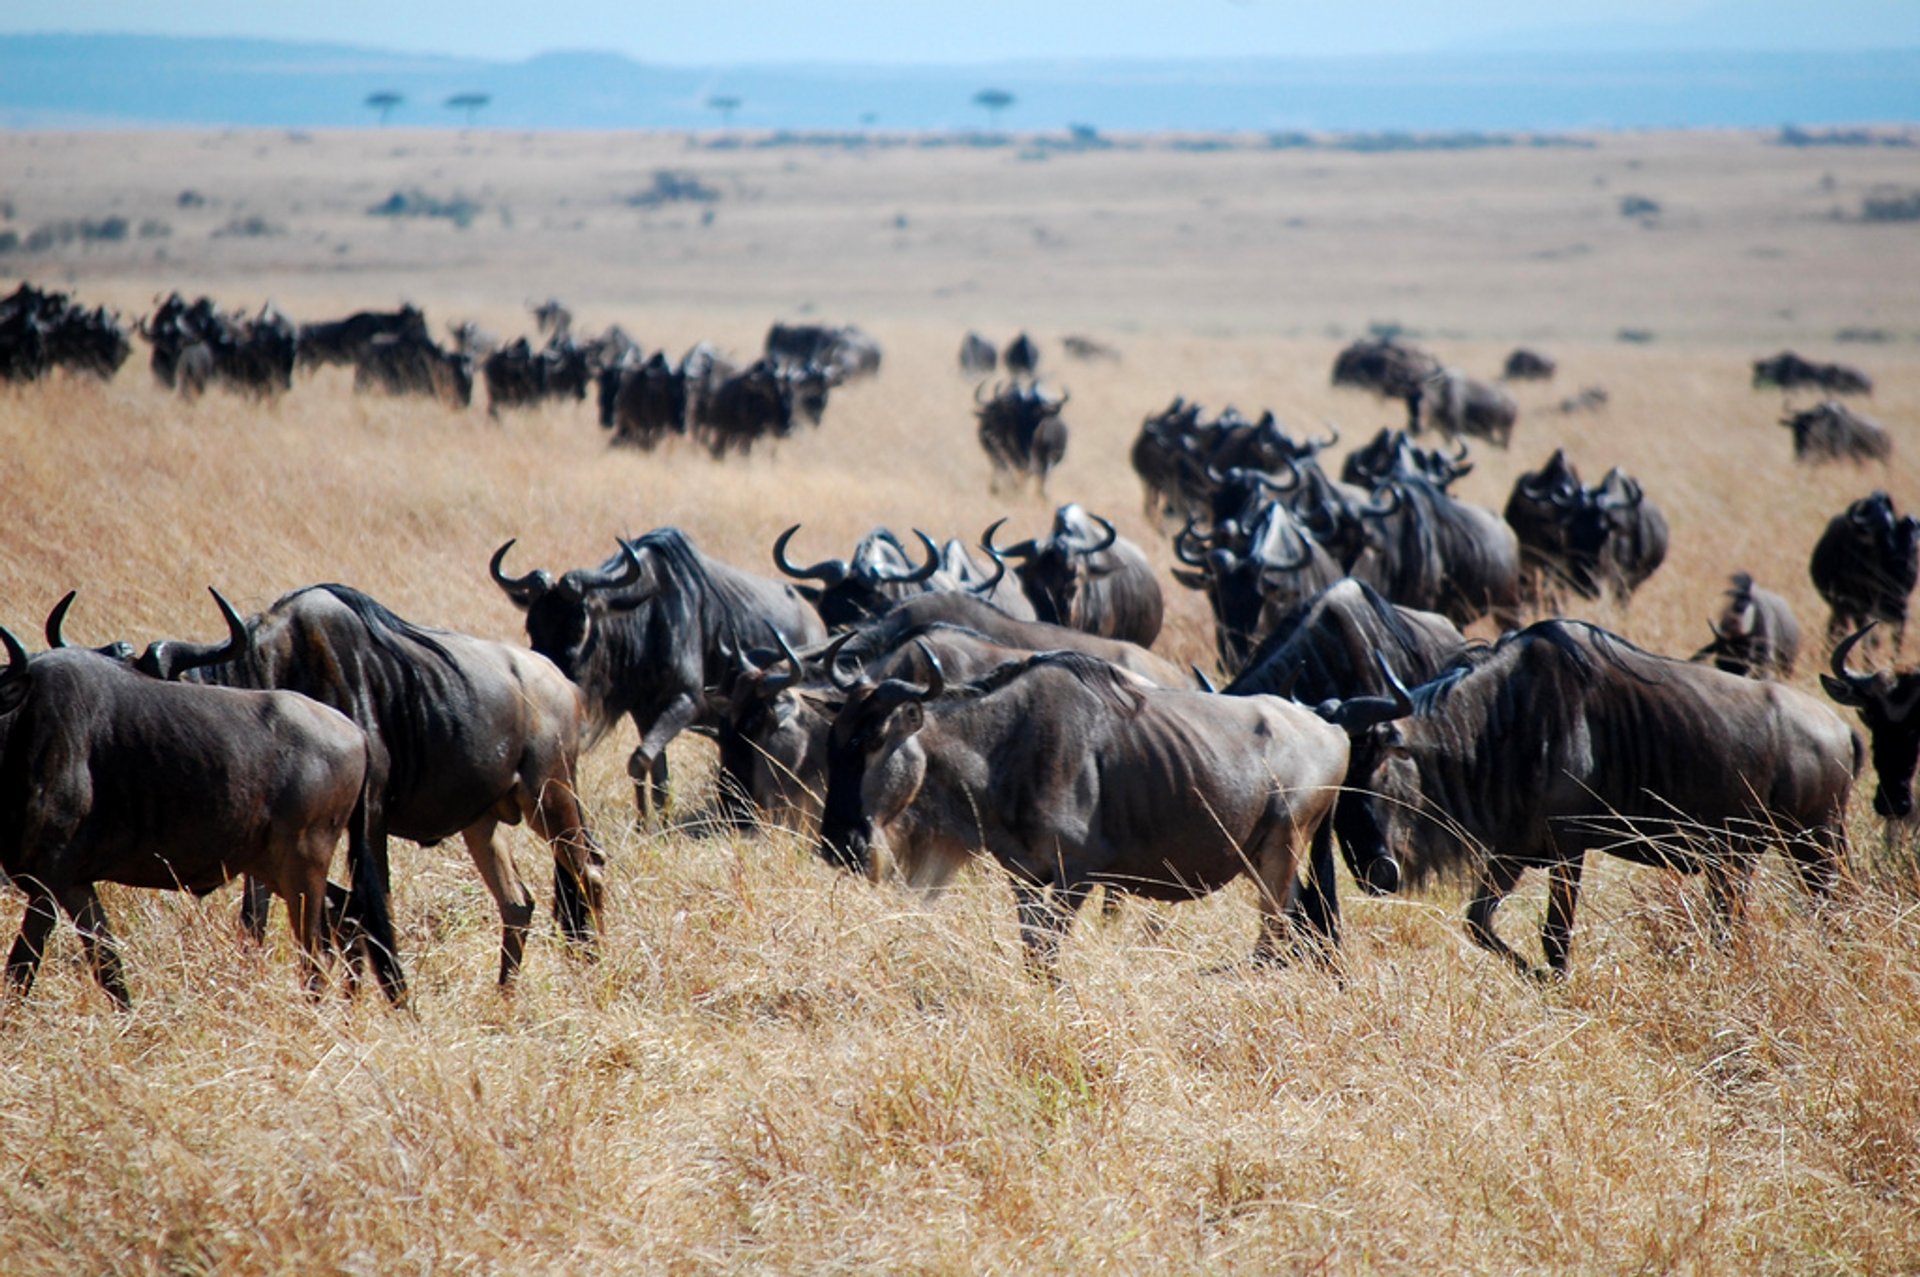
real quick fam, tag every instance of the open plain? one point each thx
(775, 1067)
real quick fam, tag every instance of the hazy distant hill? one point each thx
(85, 81)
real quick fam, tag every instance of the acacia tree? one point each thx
(470, 103)
(993, 101)
(384, 101)
(726, 104)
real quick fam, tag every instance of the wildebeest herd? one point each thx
(997, 698)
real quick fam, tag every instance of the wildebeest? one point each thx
(1023, 357)
(865, 586)
(1391, 369)
(978, 358)
(1886, 701)
(1831, 431)
(645, 634)
(195, 345)
(765, 400)
(518, 376)
(41, 330)
(1339, 645)
(1615, 538)
(1588, 399)
(466, 735)
(1789, 371)
(842, 352)
(342, 341)
(414, 364)
(1084, 575)
(1528, 365)
(1021, 431)
(1429, 551)
(1392, 454)
(1253, 571)
(1865, 565)
(109, 776)
(552, 319)
(1089, 350)
(1755, 634)
(648, 404)
(1537, 512)
(1461, 405)
(1071, 774)
(1565, 739)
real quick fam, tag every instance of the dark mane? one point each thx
(1104, 681)
(382, 626)
(1578, 642)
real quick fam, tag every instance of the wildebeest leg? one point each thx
(96, 934)
(305, 890)
(1727, 881)
(1819, 854)
(256, 902)
(1276, 868)
(495, 863)
(1315, 908)
(1044, 919)
(1563, 896)
(1496, 880)
(579, 863)
(649, 759)
(23, 961)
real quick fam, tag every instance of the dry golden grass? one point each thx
(774, 1067)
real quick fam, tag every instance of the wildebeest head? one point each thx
(563, 615)
(874, 763)
(1053, 572)
(1887, 701)
(1594, 519)
(1385, 783)
(170, 659)
(868, 585)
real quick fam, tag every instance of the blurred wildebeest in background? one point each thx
(1089, 350)
(43, 330)
(1021, 431)
(1457, 404)
(1085, 576)
(842, 352)
(1831, 431)
(412, 364)
(978, 358)
(1865, 565)
(344, 341)
(1023, 357)
(1755, 634)
(1389, 368)
(1528, 365)
(1788, 371)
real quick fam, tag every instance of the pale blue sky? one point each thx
(732, 32)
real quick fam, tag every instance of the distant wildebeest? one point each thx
(1831, 431)
(978, 358)
(1755, 634)
(1608, 538)
(647, 405)
(518, 376)
(413, 364)
(196, 345)
(1589, 399)
(1089, 350)
(41, 330)
(1886, 701)
(109, 776)
(764, 401)
(645, 635)
(1084, 575)
(466, 735)
(1389, 368)
(552, 319)
(879, 575)
(1865, 565)
(1789, 371)
(1071, 774)
(841, 352)
(1565, 739)
(343, 341)
(1392, 454)
(1023, 357)
(1460, 405)
(1528, 365)
(1252, 571)
(1021, 431)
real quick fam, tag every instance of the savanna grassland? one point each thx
(775, 1067)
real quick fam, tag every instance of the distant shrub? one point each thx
(9, 242)
(673, 187)
(82, 230)
(1635, 336)
(1793, 135)
(1870, 336)
(252, 226)
(1389, 330)
(1639, 206)
(1890, 204)
(458, 209)
(154, 228)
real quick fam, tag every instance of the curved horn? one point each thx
(16, 658)
(1192, 558)
(977, 388)
(169, 660)
(1380, 511)
(1840, 671)
(1024, 550)
(986, 588)
(936, 676)
(521, 589)
(926, 570)
(830, 571)
(56, 617)
(830, 658)
(1201, 680)
(1357, 713)
(1333, 437)
(628, 573)
(1113, 534)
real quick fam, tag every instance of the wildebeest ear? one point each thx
(1192, 580)
(906, 720)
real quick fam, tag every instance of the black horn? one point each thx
(58, 616)
(521, 589)
(829, 571)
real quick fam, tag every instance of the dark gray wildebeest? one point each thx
(1564, 739)
(646, 405)
(878, 576)
(978, 358)
(109, 776)
(1886, 701)
(1528, 365)
(1389, 368)
(413, 364)
(1021, 432)
(1072, 774)
(466, 735)
(1252, 573)
(1022, 358)
(764, 401)
(41, 330)
(1457, 404)
(1615, 538)
(1755, 635)
(1865, 565)
(842, 352)
(1831, 431)
(1085, 576)
(1340, 645)
(1789, 372)
(1537, 512)
(342, 341)
(961, 570)
(1392, 454)
(1431, 552)
(645, 634)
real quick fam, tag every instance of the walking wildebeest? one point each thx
(1073, 774)
(1865, 565)
(1564, 739)
(1086, 577)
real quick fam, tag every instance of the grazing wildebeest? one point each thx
(1461, 405)
(1886, 701)
(1564, 739)
(1072, 774)
(1615, 538)
(1252, 574)
(1831, 431)
(648, 404)
(1391, 369)
(842, 352)
(1789, 371)
(1023, 357)
(1340, 645)
(43, 330)
(978, 358)
(1431, 552)
(518, 376)
(1865, 565)
(1087, 577)
(1528, 365)
(110, 776)
(466, 735)
(1021, 431)
(647, 633)
(1755, 635)
(413, 364)
(342, 341)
